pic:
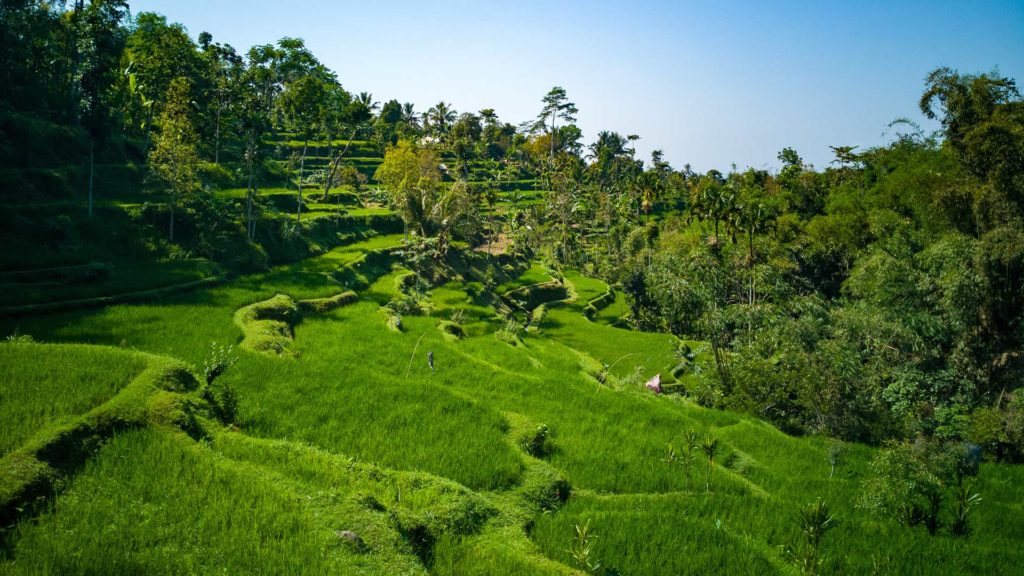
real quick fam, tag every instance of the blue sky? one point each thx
(709, 83)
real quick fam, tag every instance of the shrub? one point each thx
(509, 333)
(815, 520)
(535, 444)
(223, 401)
(218, 360)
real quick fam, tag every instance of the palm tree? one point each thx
(453, 213)
(608, 146)
(439, 119)
(712, 200)
(366, 98)
(815, 520)
(409, 115)
(711, 448)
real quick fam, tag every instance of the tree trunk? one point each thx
(76, 56)
(216, 135)
(328, 179)
(750, 260)
(333, 168)
(92, 169)
(552, 136)
(248, 204)
(171, 235)
(302, 164)
(255, 194)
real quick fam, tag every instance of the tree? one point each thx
(339, 112)
(454, 214)
(463, 138)
(174, 160)
(712, 199)
(983, 122)
(225, 67)
(33, 56)
(413, 184)
(438, 119)
(259, 91)
(410, 119)
(386, 127)
(411, 178)
(159, 53)
(556, 106)
(982, 117)
(687, 291)
(100, 42)
(302, 105)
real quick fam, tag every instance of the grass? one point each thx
(586, 288)
(535, 274)
(154, 503)
(123, 278)
(354, 430)
(72, 380)
(644, 534)
(613, 312)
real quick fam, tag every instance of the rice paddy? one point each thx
(436, 468)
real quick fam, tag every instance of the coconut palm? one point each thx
(366, 98)
(409, 116)
(439, 119)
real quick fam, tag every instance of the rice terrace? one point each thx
(259, 319)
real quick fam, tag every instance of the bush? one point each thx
(1000, 429)
(218, 360)
(223, 402)
(509, 333)
(536, 444)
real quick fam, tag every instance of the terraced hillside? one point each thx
(333, 446)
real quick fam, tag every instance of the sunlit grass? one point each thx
(357, 389)
(535, 274)
(42, 385)
(156, 504)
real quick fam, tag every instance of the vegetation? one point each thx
(438, 365)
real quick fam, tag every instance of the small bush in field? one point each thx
(218, 360)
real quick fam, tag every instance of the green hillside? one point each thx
(254, 322)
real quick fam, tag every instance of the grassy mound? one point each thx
(73, 380)
(153, 398)
(322, 305)
(156, 503)
(267, 326)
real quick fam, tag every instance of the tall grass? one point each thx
(356, 389)
(535, 274)
(42, 384)
(123, 278)
(152, 503)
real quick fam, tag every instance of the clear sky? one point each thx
(709, 83)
